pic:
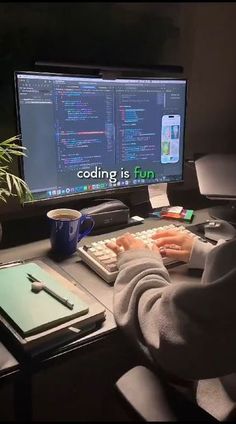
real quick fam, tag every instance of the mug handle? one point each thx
(83, 219)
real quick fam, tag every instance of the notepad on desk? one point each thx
(46, 332)
(33, 312)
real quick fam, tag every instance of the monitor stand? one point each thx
(224, 212)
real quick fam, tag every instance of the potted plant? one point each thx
(10, 184)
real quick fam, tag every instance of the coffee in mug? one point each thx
(66, 230)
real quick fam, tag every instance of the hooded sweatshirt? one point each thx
(188, 329)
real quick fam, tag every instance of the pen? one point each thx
(37, 286)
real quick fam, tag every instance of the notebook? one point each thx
(31, 312)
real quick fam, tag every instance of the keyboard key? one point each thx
(98, 253)
(103, 257)
(112, 267)
(110, 261)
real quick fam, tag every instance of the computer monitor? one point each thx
(87, 136)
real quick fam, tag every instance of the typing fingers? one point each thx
(128, 241)
(167, 233)
(113, 247)
(179, 255)
(125, 240)
(155, 248)
(170, 240)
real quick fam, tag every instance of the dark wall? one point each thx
(84, 33)
(199, 36)
(209, 57)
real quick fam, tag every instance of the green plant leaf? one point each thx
(4, 153)
(4, 194)
(8, 178)
(16, 153)
(16, 146)
(12, 185)
(10, 140)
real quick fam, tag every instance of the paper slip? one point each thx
(158, 195)
(175, 209)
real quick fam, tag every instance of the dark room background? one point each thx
(198, 36)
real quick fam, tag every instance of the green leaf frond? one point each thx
(12, 185)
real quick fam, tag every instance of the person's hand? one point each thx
(126, 242)
(174, 244)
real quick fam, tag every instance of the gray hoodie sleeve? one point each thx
(187, 328)
(199, 253)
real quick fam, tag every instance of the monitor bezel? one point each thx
(108, 192)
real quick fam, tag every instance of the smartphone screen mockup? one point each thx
(170, 137)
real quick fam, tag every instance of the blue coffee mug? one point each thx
(66, 230)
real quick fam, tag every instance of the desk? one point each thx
(9, 380)
(75, 384)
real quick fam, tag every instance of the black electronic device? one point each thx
(92, 136)
(213, 230)
(219, 230)
(216, 174)
(108, 213)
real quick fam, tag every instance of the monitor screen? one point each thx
(86, 134)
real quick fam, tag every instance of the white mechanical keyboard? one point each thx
(104, 261)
